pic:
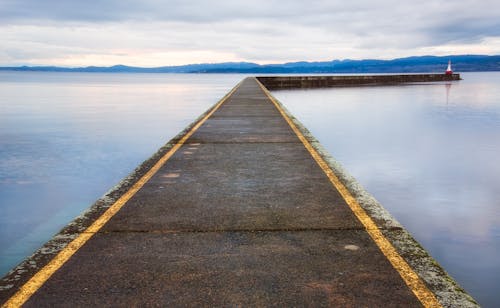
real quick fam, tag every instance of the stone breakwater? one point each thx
(294, 82)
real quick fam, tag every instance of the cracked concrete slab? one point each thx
(237, 187)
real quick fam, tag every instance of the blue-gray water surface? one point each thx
(66, 138)
(430, 153)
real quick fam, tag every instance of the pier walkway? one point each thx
(239, 212)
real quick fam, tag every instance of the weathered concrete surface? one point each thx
(240, 215)
(295, 82)
(227, 269)
(240, 186)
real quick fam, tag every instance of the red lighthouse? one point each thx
(448, 70)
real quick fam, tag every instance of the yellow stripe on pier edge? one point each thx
(417, 286)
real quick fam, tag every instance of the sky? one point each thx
(153, 33)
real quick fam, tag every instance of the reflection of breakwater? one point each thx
(291, 82)
(448, 87)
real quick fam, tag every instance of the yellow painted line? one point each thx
(32, 285)
(418, 287)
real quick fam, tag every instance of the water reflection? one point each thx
(448, 88)
(65, 138)
(429, 153)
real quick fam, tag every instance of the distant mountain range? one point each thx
(423, 64)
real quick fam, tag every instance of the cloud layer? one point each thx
(155, 33)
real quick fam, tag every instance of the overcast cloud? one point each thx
(157, 33)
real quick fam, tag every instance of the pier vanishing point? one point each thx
(242, 209)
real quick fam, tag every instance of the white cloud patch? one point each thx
(156, 33)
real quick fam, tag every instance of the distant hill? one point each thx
(423, 64)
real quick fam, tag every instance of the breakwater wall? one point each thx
(292, 82)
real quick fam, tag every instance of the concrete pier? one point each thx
(242, 209)
(296, 82)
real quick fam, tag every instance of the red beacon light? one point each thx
(448, 70)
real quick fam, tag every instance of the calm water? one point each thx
(431, 155)
(66, 138)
